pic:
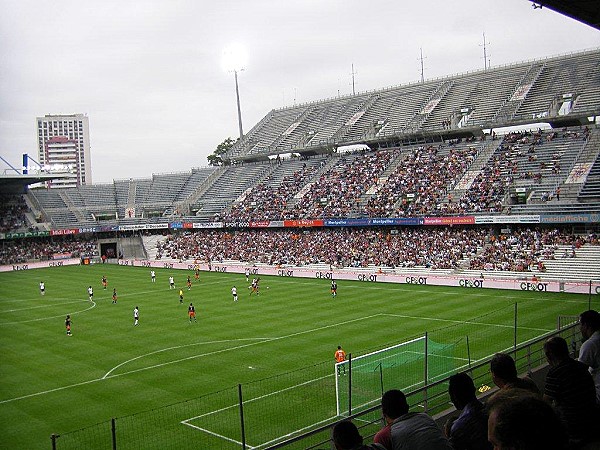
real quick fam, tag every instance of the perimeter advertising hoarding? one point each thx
(459, 220)
(303, 223)
(373, 222)
(147, 226)
(64, 232)
(422, 279)
(570, 218)
(525, 284)
(25, 234)
(527, 218)
(260, 224)
(299, 223)
(40, 265)
(203, 225)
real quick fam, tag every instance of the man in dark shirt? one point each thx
(469, 430)
(504, 374)
(406, 430)
(570, 388)
(345, 436)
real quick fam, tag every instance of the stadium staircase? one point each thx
(131, 194)
(286, 139)
(243, 146)
(590, 188)
(332, 161)
(149, 245)
(382, 179)
(264, 177)
(133, 247)
(481, 160)
(35, 215)
(423, 113)
(71, 206)
(346, 131)
(201, 189)
(232, 182)
(562, 151)
(511, 104)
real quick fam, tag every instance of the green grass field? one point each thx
(278, 346)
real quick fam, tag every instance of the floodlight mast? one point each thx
(234, 60)
(239, 108)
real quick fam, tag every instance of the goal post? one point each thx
(405, 366)
(367, 374)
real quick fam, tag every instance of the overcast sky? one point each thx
(149, 74)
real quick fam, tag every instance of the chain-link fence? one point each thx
(303, 403)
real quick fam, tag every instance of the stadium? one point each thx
(459, 217)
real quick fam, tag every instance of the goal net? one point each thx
(403, 366)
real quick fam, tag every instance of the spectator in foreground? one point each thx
(406, 430)
(570, 389)
(345, 436)
(504, 374)
(469, 430)
(521, 420)
(589, 353)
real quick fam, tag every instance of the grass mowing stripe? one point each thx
(108, 374)
(544, 330)
(37, 356)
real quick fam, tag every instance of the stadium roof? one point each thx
(15, 184)
(586, 11)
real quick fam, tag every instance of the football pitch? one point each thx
(172, 383)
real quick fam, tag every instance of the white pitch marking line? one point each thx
(216, 434)
(243, 346)
(51, 317)
(45, 305)
(107, 374)
(469, 322)
(186, 421)
(173, 362)
(260, 397)
(131, 294)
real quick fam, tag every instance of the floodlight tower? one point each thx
(234, 60)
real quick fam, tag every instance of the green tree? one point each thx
(215, 158)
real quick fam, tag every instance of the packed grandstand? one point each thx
(432, 176)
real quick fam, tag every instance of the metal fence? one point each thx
(296, 410)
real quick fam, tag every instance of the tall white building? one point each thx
(64, 148)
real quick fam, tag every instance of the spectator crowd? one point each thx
(526, 249)
(419, 183)
(441, 248)
(12, 213)
(432, 248)
(43, 249)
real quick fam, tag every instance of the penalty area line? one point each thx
(212, 433)
(254, 399)
(466, 322)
